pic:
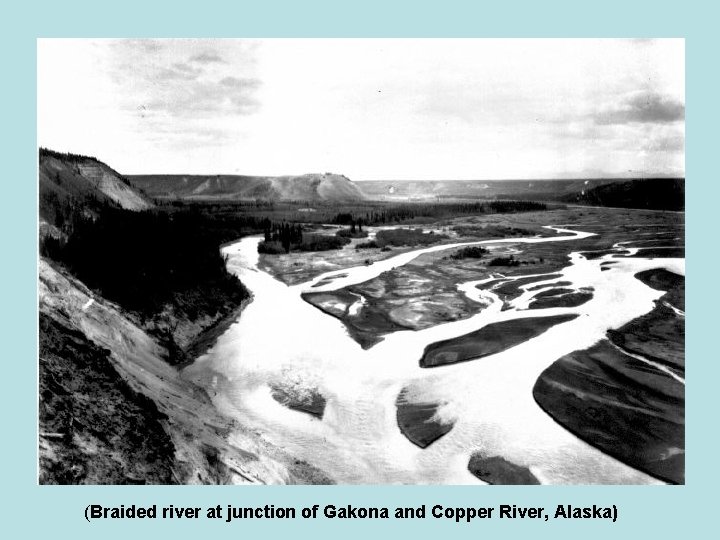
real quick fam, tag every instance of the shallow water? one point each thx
(280, 336)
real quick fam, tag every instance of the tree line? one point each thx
(284, 233)
(145, 261)
(398, 213)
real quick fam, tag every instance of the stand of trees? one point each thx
(284, 234)
(504, 261)
(363, 213)
(412, 211)
(72, 158)
(649, 193)
(407, 237)
(354, 231)
(287, 239)
(145, 261)
(469, 252)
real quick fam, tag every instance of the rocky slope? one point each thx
(91, 421)
(114, 407)
(113, 411)
(69, 180)
(162, 267)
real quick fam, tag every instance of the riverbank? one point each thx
(200, 445)
(207, 338)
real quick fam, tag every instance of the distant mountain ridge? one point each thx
(68, 180)
(649, 193)
(326, 187)
(514, 189)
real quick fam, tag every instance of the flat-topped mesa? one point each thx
(313, 187)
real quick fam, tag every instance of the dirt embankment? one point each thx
(114, 411)
(91, 421)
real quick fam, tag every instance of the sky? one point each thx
(371, 109)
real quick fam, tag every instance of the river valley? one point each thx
(485, 401)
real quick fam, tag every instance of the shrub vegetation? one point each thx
(407, 237)
(469, 252)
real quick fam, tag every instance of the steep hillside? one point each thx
(162, 266)
(112, 410)
(308, 187)
(128, 293)
(91, 421)
(651, 193)
(70, 180)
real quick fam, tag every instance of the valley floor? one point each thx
(405, 365)
(359, 402)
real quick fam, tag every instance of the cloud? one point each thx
(204, 99)
(669, 143)
(245, 83)
(177, 72)
(644, 108)
(473, 104)
(146, 45)
(180, 94)
(207, 57)
(185, 80)
(418, 108)
(186, 68)
(189, 138)
(643, 41)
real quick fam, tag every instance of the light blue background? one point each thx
(665, 512)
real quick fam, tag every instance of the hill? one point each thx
(403, 190)
(71, 182)
(651, 194)
(112, 410)
(325, 187)
(128, 291)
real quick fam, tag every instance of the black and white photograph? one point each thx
(361, 261)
